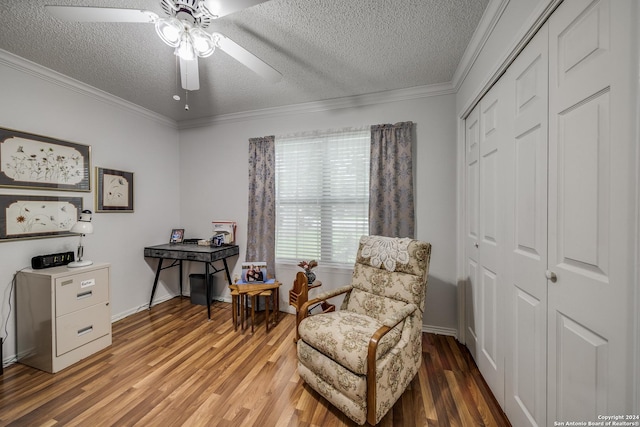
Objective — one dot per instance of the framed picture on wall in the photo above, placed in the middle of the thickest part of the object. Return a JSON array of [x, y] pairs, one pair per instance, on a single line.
[[39, 162], [36, 217], [114, 190]]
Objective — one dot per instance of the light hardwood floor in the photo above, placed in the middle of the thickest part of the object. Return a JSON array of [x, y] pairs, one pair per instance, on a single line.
[[171, 367]]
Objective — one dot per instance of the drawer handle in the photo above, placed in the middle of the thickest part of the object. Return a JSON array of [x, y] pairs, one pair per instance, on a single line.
[[67, 282], [190, 256], [84, 295], [85, 331]]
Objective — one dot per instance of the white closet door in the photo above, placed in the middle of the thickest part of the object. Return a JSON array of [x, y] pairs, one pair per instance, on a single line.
[[590, 209], [526, 217], [490, 293], [472, 233]]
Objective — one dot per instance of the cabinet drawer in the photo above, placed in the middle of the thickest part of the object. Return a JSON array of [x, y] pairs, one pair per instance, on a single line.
[[81, 291], [76, 329]]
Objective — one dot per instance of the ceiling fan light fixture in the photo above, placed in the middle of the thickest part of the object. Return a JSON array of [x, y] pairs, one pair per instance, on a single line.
[[203, 43], [185, 48], [170, 30]]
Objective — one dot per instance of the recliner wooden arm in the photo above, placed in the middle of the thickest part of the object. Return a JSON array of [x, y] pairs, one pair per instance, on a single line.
[[388, 324]]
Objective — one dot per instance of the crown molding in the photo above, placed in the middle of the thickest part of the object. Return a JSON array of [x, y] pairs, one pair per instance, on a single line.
[[527, 31], [45, 74], [325, 105], [485, 28]]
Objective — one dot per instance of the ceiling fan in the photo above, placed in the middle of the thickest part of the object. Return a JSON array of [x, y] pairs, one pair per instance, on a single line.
[[182, 29]]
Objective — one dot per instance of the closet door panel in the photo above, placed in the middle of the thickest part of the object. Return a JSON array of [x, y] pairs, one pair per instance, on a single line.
[[472, 233], [525, 372], [590, 211], [493, 135]]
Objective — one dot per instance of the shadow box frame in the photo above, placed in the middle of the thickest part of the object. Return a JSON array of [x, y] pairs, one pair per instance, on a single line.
[[37, 162], [115, 185], [35, 212]]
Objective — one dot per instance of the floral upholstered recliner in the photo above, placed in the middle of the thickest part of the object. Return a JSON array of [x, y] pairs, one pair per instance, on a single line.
[[362, 358]]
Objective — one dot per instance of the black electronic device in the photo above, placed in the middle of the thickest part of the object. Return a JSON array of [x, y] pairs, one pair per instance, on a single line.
[[53, 260]]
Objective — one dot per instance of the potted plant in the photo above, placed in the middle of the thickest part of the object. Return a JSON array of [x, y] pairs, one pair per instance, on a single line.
[[307, 266]]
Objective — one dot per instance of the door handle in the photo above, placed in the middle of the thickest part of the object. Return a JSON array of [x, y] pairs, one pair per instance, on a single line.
[[476, 245], [551, 276]]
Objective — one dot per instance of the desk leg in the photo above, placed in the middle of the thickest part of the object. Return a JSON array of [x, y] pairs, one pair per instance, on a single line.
[[155, 281], [226, 270], [180, 278], [207, 284]]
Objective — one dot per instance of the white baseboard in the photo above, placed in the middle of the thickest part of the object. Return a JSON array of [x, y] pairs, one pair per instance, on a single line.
[[286, 309], [9, 361], [122, 315], [439, 330]]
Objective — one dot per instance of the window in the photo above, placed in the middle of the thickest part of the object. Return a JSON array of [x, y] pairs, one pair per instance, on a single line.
[[322, 195]]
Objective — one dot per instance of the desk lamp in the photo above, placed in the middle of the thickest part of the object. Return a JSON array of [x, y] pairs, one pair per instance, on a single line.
[[82, 227]]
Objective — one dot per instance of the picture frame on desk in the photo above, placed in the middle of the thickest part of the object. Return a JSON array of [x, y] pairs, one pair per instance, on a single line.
[[254, 272], [177, 235]]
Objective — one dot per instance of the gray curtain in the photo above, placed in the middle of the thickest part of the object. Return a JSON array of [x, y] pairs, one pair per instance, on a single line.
[[261, 227], [391, 207]]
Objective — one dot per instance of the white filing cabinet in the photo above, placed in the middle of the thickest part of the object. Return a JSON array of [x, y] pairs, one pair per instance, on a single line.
[[63, 315]]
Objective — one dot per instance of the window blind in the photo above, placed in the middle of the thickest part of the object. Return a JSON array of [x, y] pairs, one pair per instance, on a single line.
[[322, 195]]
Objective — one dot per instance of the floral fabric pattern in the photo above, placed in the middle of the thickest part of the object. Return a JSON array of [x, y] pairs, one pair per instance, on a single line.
[[391, 202], [345, 336], [333, 347], [261, 225]]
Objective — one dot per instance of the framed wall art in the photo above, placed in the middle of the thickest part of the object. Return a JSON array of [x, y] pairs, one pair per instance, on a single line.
[[114, 191], [34, 217], [39, 162]]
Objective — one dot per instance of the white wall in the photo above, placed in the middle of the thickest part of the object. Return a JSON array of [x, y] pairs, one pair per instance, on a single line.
[[124, 138], [214, 180]]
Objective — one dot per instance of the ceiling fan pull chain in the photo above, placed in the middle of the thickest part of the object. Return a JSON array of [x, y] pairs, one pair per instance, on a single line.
[[176, 96], [186, 92]]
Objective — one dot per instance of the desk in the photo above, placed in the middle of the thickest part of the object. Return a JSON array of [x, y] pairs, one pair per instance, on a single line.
[[179, 252]]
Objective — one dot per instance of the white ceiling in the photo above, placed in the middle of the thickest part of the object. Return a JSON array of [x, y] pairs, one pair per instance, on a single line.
[[324, 49]]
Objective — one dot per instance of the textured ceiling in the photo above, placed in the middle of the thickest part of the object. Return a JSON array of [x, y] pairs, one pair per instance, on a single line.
[[324, 49]]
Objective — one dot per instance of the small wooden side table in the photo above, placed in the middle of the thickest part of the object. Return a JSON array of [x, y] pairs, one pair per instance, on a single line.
[[240, 294]]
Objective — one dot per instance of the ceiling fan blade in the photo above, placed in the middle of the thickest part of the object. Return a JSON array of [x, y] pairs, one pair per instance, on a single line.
[[189, 75], [251, 61], [221, 8], [100, 14]]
